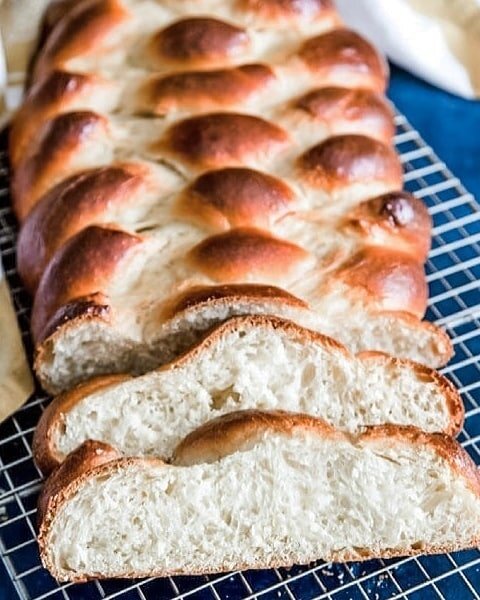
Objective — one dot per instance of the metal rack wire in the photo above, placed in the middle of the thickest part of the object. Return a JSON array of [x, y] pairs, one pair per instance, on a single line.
[[454, 279]]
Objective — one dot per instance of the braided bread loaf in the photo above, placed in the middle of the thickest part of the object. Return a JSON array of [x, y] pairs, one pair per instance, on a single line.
[[172, 170]]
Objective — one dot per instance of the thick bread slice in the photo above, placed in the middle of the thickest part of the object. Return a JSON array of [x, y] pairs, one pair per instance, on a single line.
[[258, 490], [248, 362], [89, 338]]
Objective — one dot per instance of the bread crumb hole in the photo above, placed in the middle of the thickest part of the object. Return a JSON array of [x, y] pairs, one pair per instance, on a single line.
[[418, 546], [308, 375], [221, 397]]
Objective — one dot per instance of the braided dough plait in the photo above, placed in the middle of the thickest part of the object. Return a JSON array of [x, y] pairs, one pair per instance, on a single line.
[[258, 490], [248, 362], [159, 153]]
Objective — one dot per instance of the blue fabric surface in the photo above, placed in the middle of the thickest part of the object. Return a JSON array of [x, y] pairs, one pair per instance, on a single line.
[[449, 124], [7, 591]]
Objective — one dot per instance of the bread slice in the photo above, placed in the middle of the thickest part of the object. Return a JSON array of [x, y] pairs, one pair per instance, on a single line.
[[258, 490], [248, 362], [93, 339]]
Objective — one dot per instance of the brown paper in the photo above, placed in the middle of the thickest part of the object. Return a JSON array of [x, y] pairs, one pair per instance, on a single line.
[[16, 382]]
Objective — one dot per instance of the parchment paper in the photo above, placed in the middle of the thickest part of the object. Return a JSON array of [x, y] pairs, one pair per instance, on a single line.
[[16, 382]]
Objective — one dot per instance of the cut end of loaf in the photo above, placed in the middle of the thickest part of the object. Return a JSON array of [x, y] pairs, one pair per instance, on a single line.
[[389, 492]]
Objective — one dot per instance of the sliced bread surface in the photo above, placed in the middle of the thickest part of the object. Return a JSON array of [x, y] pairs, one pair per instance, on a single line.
[[91, 344], [248, 362], [257, 490]]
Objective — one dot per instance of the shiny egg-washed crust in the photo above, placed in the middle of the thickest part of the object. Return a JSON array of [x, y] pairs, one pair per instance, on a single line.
[[95, 256], [79, 28], [323, 166], [52, 221], [236, 432], [399, 215], [259, 130], [55, 146], [48, 459], [92, 258], [58, 93]]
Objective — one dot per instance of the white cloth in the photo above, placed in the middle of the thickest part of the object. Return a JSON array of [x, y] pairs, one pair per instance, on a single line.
[[437, 40]]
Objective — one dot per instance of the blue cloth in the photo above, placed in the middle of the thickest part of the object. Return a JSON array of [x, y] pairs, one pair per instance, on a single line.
[[449, 124]]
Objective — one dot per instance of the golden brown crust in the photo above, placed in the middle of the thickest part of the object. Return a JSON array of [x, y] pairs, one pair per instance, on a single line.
[[50, 96], [357, 555], [80, 268], [55, 11], [399, 215], [92, 306], [92, 458], [247, 254], [43, 446], [223, 139], [202, 65], [292, 10], [205, 90], [238, 431], [199, 42], [82, 30], [48, 160], [72, 205], [394, 278], [332, 104], [346, 53], [197, 296], [235, 197], [89, 455], [347, 159]]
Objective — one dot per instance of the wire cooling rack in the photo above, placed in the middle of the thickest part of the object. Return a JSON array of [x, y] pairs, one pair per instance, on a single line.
[[454, 279]]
